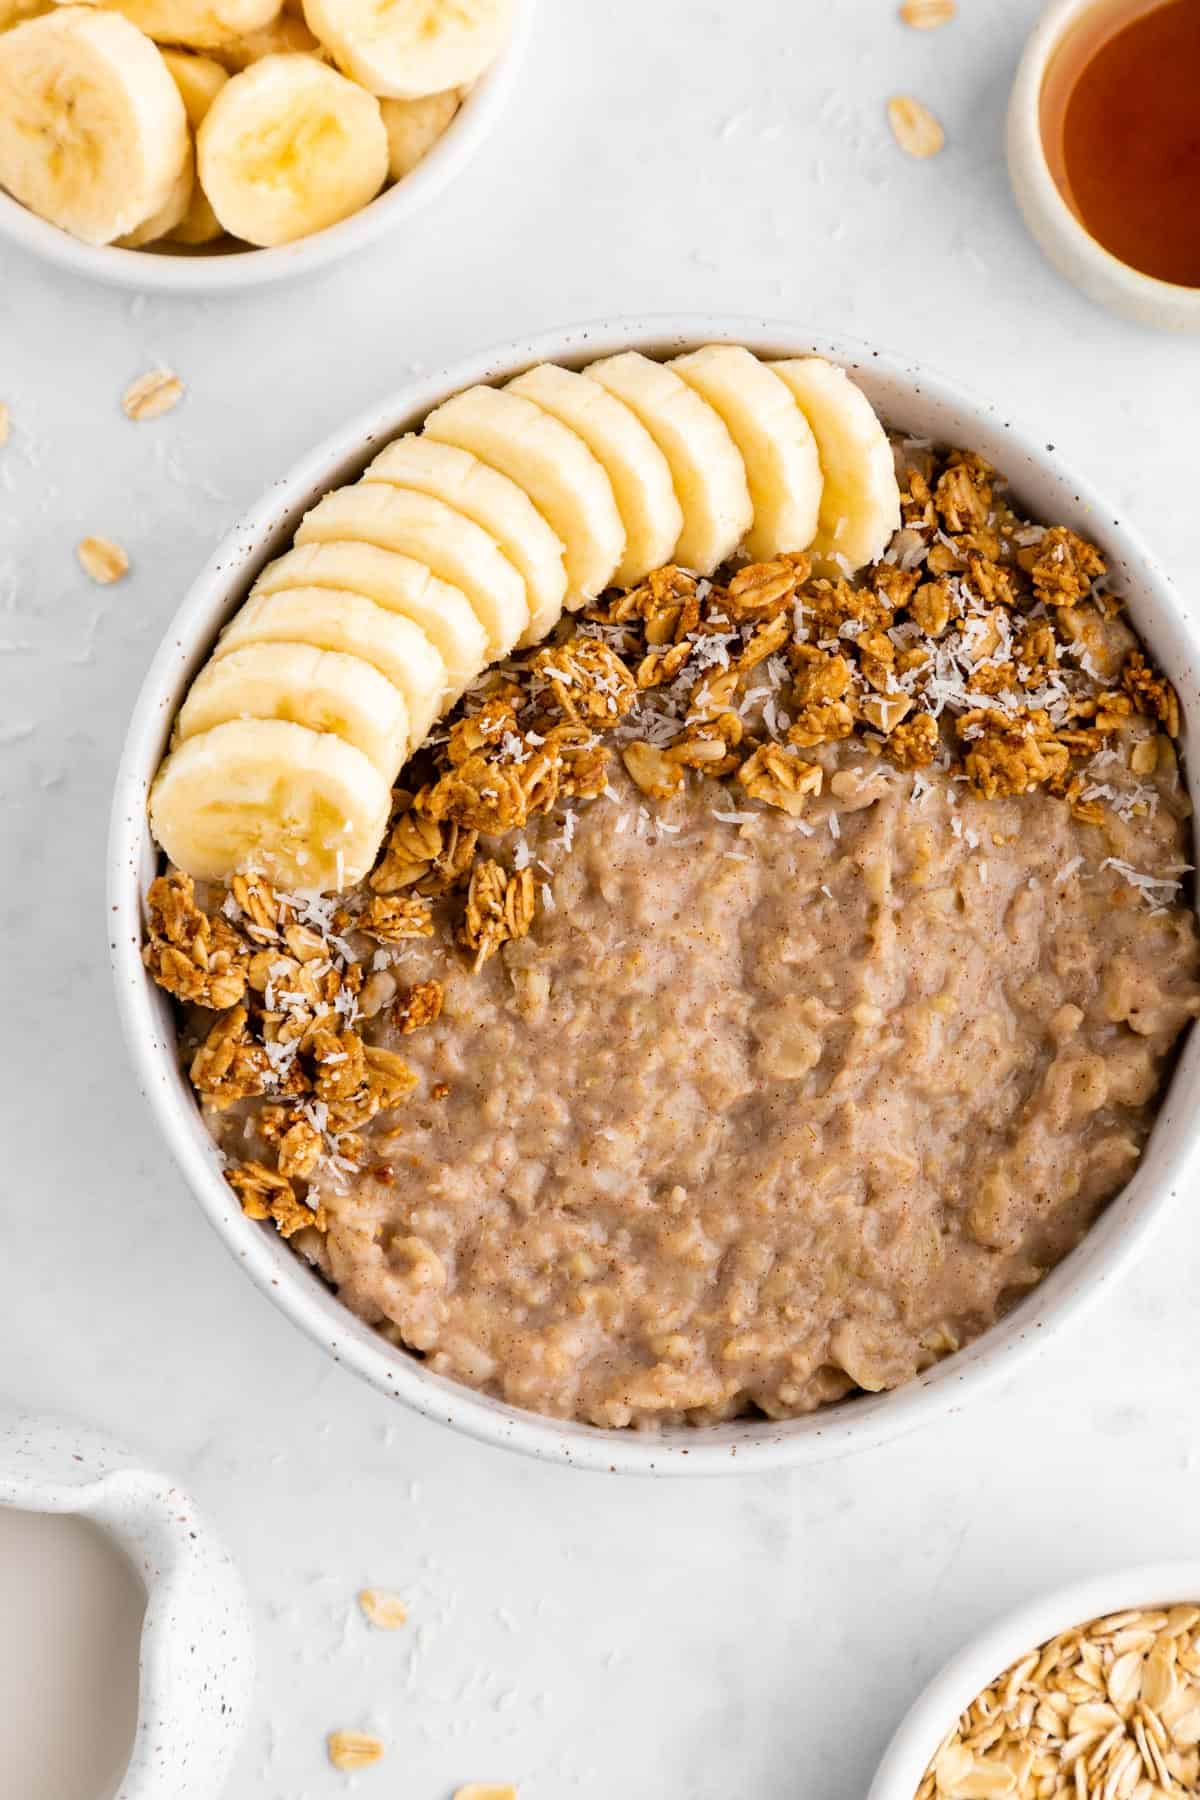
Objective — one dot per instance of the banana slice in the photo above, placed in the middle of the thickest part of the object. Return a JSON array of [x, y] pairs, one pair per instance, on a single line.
[[93, 135], [289, 147], [708, 473], [405, 49], [329, 620], [449, 544], [402, 586], [773, 436], [12, 12], [637, 468], [556, 469], [199, 80], [168, 218], [284, 36], [414, 127], [298, 806], [323, 689], [494, 502], [196, 24], [860, 505]]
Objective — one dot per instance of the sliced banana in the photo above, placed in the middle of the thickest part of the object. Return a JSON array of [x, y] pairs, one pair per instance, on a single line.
[[405, 49], [401, 585], [449, 544], [170, 217], [638, 470], [196, 24], [199, 80], [298, 806], [93, 135], [773, 436], [12, 12], [284, 36], [332, 620], [555, 468], [414, 127], [289, 147], [860, 504], [706, 468], [323, 689], [494, 502]]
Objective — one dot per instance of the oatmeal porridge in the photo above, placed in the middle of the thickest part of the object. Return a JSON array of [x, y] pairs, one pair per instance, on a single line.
[[763, 984]]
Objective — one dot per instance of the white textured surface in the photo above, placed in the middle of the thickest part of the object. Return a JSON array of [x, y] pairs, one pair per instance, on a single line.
[[581, 1635]]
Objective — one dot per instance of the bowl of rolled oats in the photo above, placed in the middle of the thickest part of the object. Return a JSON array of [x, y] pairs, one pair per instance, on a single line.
[[584, 840], [1093, 1690]]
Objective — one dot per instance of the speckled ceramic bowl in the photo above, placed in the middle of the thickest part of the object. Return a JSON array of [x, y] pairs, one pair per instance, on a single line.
[[908, 397], [196, 1666], [229, 271]]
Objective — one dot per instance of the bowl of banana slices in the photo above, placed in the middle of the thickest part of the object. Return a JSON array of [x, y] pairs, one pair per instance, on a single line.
[[190, 146], [407, 560]]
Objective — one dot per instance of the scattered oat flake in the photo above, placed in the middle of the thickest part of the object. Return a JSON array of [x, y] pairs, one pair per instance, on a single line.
[[927, 15], [387, 1612], [156, 392], [914, 127], [485, 1790], [5, 423], [353, 1749], [103, 560]]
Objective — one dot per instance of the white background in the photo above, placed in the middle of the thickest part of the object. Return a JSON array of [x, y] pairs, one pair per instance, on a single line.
[[584, 1635]]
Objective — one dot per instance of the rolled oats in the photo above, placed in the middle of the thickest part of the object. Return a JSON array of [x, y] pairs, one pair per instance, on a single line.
[[927, 15], [157, 392], [387, 1612], [349, 1750], [101, 559], [914, 127], [1045, 1727]]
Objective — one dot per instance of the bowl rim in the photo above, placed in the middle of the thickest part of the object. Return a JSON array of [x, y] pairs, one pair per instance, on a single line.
[[743, 1445], [1002, 1643], [234, 271], [1061, 236]]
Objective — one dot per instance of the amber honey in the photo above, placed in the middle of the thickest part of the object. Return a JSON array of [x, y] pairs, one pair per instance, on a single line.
[[1120, 114]]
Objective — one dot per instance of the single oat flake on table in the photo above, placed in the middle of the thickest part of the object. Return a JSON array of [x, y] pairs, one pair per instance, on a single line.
[[640, 1079], [914, 127], [101, 559], [927, 15], [350, 1750], [157, 392]]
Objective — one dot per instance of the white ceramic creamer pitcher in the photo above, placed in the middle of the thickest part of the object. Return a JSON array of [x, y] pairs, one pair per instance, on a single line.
[[196, 1661]]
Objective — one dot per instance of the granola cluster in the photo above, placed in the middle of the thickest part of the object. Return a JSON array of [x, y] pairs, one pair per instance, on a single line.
[[285, 987], [972, 644]]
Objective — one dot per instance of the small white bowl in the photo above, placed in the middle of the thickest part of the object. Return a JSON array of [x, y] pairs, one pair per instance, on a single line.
[[1073, 251], [908, 397], [196, 1662], [952, 1690], [230, 271]]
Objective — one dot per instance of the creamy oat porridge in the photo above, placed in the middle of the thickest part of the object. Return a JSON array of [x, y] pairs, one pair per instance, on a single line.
[[763, 984]]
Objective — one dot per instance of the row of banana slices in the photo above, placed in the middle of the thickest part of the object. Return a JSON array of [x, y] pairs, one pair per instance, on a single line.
[[470, 538], [142, 122]]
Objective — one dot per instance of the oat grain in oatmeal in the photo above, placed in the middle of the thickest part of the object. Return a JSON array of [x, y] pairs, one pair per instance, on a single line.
[[762, 985]]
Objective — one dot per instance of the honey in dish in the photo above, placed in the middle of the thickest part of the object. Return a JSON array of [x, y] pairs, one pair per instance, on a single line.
[[1120, 116]]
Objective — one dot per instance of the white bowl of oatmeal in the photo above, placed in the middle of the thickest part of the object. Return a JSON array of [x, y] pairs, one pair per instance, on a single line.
[[1001, 1308], [1105, 1672]]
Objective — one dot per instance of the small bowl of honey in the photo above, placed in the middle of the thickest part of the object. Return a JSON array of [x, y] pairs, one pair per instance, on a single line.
[[1104, 152]]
